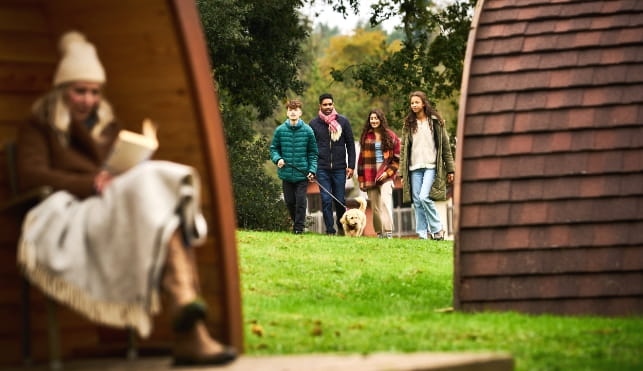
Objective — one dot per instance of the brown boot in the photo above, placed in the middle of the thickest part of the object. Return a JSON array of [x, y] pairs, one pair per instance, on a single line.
[[196, 347], [192, 343]]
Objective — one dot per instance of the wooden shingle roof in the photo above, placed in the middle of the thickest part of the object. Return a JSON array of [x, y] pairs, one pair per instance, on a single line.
[[549, 193]]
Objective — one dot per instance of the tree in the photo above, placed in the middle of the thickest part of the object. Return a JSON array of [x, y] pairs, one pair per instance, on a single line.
[[255, 49], [346, 52], [257, 196], [363, 46], [431, 58]]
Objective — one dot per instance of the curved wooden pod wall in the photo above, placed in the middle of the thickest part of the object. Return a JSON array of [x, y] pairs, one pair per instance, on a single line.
[[157, 66]]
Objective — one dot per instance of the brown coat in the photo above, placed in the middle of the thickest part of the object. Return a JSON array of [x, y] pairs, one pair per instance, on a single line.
[[42, 158]]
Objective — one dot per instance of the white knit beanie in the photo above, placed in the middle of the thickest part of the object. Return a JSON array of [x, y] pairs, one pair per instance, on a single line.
[[79, 60]]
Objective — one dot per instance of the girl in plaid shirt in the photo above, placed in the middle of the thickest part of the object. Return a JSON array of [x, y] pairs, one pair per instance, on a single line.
[[379, 159]]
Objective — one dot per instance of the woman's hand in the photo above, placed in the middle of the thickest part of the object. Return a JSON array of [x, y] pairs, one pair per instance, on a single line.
[[102, 180], [382, 177], [450, 178]]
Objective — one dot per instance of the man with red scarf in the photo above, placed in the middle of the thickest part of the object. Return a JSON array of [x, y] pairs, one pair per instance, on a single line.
[[336, 159]]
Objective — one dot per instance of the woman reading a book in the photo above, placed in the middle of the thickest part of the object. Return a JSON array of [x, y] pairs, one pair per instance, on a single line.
[[106, 245]]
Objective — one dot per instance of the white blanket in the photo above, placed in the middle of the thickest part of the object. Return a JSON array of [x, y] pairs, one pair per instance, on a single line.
[[103, 256]]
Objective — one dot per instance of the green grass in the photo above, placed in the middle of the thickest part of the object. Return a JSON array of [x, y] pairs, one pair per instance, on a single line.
[[318, 294]]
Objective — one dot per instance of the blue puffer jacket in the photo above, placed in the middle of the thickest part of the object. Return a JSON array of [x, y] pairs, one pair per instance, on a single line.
[[296, 145], [333, 155]]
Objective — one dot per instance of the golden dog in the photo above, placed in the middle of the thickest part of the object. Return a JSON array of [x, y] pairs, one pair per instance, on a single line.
[[354, 220]]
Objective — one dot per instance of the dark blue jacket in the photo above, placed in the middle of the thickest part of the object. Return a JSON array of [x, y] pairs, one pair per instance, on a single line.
[[332, 155]]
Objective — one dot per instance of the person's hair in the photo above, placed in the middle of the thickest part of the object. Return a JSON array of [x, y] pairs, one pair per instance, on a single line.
[[293, 104], [44, 108], [387, 140], [325, 96], [410, 122], [51, 109]]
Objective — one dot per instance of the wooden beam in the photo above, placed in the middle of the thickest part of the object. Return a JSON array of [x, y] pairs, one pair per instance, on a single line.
[[220, 187]]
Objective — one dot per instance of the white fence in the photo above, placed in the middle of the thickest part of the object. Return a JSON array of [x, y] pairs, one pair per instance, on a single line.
[[403, 220]]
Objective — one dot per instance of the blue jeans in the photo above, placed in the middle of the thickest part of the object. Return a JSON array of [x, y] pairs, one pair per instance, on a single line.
[[335, 182], [426, 215]]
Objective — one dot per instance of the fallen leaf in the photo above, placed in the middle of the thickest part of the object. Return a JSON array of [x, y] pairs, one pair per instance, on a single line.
[[603, 331], [444, 310], [317, 331], [257, 330]]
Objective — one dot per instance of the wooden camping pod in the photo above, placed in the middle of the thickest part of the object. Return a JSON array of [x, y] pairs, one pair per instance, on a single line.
[[157, 66], [548, 195]]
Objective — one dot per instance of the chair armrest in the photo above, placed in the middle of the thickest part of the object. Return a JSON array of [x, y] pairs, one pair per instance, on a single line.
[[26, 200]]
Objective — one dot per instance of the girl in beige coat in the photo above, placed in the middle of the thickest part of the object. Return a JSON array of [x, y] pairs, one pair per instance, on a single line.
[[426, 164]]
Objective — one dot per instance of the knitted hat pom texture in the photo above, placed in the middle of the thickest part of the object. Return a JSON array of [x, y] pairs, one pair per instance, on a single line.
[[79, 60]]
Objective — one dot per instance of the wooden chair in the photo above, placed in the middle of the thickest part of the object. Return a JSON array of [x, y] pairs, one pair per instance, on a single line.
[[20, 203]]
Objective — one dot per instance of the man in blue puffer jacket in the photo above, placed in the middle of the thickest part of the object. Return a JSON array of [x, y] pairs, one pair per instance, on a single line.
[[336, 159], [294, 150]]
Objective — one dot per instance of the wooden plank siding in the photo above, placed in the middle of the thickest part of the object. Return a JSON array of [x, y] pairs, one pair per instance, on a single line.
[[148, 49], [549, 189], [27, 60]]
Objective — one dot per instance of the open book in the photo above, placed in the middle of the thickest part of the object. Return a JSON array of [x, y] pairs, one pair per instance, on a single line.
[[131, 148]]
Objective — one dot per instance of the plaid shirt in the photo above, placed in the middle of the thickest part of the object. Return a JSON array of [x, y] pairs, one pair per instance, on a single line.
[[367, 171]]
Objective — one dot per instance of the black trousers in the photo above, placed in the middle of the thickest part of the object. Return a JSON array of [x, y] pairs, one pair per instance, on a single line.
[[295, 197]]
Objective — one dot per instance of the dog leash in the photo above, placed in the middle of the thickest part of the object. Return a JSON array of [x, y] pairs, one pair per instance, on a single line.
[[315, 180]]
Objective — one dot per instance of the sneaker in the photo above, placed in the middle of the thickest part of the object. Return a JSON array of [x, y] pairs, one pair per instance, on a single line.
[[298, 232], [388, 235], [438, 236]]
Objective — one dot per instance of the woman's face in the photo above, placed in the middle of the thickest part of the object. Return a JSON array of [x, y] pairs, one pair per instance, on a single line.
[[374, 121], [416, 104], [82, 97]]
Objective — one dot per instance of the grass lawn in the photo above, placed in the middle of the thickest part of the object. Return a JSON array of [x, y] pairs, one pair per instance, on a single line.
[[318, 294]]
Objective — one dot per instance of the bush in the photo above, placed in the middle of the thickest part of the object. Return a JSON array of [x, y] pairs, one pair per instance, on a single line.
[[257, 195]]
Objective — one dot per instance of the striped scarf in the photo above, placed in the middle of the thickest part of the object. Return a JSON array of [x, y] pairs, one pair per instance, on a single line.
[[334, 126]]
